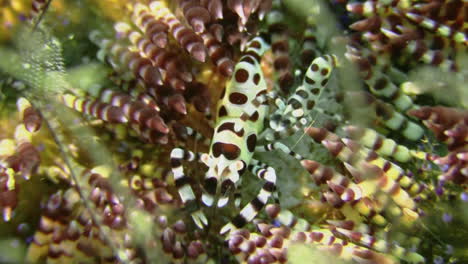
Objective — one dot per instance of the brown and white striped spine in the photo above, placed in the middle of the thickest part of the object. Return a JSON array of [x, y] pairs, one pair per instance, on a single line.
[[367, 8], [32, 119], [150, 135], [27, 158], [398, 122], [217, 30], [418, 50], [354, 154], [341, 185], [395, 172], [218, 54], [148, 100], [237, 7], [8, 192], [154, 29], [187, 39], [215, 7], [385, 174], [172, 71], [438, 28], [136, 111], [379, 83], [271, 242], [140, 66], [123, 59], [386, 114], [378, 143], [376, 176], [380, 245], [95, 108], [195, 14], [161, 57], [175, 102], [448, 124]]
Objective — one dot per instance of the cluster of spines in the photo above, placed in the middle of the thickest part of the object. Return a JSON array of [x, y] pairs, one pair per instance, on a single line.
[[270, 244], [71, 229], [424, 30], [379, 245], [383, 113], [369, 169], [380, 144], [201, 16], [136, 112], [343, 198], [357, 235], [218, 54], [62, 237], [196, 14], [205, 34], [187, 39], [244, 9], [167, 73], [19, 157], [127, 61], [95, 108], [336, 182], [450, 126], [172, 69], [155, 29], [379, 83], [439, 28], [353, 153], [175, 245]]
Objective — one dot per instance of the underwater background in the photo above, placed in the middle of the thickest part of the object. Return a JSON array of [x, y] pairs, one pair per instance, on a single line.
[[366, 131]]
